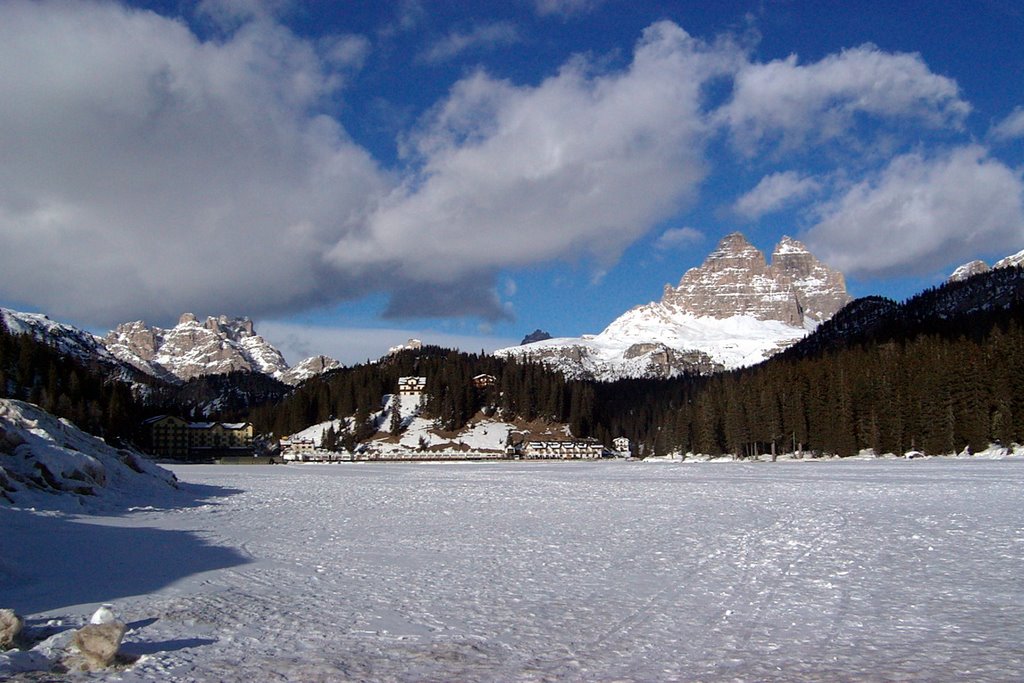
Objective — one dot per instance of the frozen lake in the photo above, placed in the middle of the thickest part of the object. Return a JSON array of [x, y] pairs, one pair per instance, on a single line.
[[866, 570]]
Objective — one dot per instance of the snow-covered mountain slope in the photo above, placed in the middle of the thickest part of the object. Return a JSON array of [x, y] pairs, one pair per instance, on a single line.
[[48, 463], [976, 267], [307, 369], [68, 339], [734, 310]]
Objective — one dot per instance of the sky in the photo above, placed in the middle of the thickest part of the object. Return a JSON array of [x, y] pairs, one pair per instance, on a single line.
[[353, 174]]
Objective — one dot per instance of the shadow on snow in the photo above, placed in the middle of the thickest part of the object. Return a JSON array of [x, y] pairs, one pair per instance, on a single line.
[[53, 561]]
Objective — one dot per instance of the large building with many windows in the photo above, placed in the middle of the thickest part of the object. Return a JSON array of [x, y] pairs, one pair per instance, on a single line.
[[172, 437]]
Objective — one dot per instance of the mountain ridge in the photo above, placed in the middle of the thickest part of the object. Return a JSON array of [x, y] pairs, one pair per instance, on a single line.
[[189, 350]]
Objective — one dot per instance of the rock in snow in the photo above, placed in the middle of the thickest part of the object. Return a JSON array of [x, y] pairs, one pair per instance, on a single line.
[[98, 644], [10, 627], [734, 310]]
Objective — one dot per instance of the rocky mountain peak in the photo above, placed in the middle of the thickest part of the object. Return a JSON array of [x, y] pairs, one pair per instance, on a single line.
[[733, 310], [967, 270], [735, 279], [189, 349], [733, 252]]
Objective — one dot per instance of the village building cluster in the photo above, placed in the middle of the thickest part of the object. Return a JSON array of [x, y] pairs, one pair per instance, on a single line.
[[411, 390]]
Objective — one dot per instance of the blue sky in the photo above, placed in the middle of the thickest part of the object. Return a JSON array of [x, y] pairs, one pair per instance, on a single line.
[[351, 174]]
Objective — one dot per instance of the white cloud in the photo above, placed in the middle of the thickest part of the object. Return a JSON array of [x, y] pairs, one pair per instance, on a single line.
[[229, 14], [790, 104], [923, 214], [673, 238], [352, 345], [566, 8], [1012, 127], [146, 172], [346, 51], [482, 36], [580, 165], [774, 192]]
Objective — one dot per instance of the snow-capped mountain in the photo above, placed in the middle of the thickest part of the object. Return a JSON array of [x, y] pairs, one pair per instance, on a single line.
[[736, 309], [189, 349], [975, 267]]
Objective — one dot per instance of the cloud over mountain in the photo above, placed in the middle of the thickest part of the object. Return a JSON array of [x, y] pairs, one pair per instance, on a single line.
[[148, 168]]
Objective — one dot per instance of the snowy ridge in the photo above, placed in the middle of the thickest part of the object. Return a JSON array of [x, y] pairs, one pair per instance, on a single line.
[[67, 339], [192, 349], [49, 463], [733, 311], [189, 349], [976, 267]]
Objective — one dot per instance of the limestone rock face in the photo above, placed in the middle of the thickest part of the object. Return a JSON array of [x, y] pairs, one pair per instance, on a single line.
[[1011, 261], [968, 269], [735, 279], [192, 349], [311, 367]]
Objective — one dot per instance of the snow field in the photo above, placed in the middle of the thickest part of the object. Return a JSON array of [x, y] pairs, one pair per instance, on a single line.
[[890, 570]]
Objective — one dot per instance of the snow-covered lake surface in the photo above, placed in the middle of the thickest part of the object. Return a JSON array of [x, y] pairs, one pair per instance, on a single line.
[[888, 570]]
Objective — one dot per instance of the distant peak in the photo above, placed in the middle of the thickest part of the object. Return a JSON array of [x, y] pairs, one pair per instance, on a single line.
[[732, 244], [535, 336], [788, 245]]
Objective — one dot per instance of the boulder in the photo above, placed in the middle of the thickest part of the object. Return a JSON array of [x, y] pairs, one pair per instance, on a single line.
[[98, 643], [10, 627]]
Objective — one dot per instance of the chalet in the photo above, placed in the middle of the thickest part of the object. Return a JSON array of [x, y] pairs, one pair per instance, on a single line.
[[411, 387], [621, 446], [172, 437], [483, 381]]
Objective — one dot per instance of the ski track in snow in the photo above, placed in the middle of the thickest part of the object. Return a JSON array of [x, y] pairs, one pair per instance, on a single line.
[[890, 570]]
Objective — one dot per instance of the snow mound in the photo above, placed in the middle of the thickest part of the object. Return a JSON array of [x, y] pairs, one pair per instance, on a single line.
[[48, 463]]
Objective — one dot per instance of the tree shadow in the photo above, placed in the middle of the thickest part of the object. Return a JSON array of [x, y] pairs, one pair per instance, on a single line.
[[48, 562]]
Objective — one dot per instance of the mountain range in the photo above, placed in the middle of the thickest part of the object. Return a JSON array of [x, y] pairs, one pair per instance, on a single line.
[[189, 350], [734, 310]]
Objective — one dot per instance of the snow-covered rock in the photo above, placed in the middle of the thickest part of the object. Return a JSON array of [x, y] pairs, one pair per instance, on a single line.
[[734, 310], [976, 267], [307, 369], [46, 462], [68, 339], [192, 349], [1011, 261], [967, 270]]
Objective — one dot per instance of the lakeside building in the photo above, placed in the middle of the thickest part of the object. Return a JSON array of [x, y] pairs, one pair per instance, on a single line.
[[173, 437]]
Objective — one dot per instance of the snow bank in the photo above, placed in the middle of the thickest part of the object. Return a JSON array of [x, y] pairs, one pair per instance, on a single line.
[[48, 463]]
